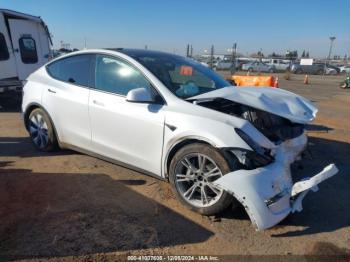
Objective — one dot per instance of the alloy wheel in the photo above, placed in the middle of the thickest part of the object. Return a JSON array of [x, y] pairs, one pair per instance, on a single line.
[[38, 130], [194, 176]]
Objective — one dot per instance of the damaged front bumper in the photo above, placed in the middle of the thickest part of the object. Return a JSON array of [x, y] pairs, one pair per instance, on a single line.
[[268, 193]]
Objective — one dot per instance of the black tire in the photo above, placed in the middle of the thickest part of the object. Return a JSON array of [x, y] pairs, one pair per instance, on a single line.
[[250, 70], [271, 70], [225, 199], [47, 144], [320, 72]]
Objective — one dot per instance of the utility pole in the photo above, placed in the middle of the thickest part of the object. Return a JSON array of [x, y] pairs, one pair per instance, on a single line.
[[211, 63], [332, 38], [188, 50], [233, 58], [260, 59]]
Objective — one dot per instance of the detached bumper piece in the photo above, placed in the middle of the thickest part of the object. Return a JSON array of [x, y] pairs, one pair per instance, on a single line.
[[301, 188], [256, 190], [268, 193]]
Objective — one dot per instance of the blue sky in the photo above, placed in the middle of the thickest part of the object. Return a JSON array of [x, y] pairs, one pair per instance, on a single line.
[[170, 24]]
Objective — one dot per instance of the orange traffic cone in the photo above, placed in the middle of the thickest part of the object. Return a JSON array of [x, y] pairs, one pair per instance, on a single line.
[[306, 80], [275, 84]]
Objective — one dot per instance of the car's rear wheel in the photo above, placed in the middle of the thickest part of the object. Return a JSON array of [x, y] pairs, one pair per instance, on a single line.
[[41, 130], [192, 172]]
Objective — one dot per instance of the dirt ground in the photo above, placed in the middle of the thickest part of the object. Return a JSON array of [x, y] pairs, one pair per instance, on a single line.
[[64, 204]]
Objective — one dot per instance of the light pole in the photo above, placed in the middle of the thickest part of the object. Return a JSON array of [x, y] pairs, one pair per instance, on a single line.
[[233, 58], [211, 57], [332, 38]]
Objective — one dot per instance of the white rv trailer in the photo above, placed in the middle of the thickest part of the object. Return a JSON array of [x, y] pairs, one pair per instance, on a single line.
[[25, 45]]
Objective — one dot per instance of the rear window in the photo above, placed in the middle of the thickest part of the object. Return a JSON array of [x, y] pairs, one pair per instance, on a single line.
[[4, 52], [27, 47], [76, 69]]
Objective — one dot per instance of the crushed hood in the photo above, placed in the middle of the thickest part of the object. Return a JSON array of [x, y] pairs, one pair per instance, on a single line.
[[273, 100]]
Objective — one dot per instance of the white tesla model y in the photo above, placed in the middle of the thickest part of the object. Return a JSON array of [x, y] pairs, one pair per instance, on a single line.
[[173, 118]]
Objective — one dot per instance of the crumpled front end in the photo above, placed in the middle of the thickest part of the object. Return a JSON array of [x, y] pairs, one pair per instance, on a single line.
[[268, 193]]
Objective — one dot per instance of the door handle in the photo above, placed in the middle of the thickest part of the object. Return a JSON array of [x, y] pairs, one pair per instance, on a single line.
[[51, 91], [98, 103]]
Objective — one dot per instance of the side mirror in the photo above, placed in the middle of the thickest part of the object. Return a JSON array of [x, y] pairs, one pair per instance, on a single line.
[[140, 95]]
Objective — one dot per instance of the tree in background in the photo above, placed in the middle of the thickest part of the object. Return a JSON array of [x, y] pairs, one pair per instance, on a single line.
[[292, 54]]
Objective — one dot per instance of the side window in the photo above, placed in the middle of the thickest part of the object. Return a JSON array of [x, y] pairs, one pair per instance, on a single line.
[[118, 77], [27, 47], [74, 69], [4, 52]]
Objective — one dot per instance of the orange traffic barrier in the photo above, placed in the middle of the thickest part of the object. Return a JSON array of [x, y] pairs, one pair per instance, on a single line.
[[306, 80], [255, 80]]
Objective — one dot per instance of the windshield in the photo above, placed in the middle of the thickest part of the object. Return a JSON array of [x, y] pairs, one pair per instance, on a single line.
[[182, 76]]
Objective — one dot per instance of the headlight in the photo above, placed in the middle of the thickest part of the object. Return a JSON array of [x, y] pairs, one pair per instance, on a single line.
[[260, 156], [250, 142]]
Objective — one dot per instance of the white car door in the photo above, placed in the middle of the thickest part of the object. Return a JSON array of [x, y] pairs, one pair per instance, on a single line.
[[28, 48], [66, 98], [128, 132]]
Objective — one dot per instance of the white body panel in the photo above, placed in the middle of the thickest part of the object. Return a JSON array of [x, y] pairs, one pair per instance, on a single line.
[[345, 69], [70, 106], [142, 135], [274, 100], [279, 64], [127, 132], [8, 67], [20, 28], [22, 25]]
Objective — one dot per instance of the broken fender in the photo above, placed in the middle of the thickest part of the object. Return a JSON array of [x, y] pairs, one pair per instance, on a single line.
[[266, 193]]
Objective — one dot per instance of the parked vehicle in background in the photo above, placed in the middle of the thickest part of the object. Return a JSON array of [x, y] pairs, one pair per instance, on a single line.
[[279, 64], [330, 70], [336, 68], [227, 64], [224, 65], [257, 66], [175, 119], [25, 45], [345, 69], [314, 69]]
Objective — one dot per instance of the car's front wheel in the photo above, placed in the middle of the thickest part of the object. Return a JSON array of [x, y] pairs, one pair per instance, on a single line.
[[41, 130], [192, 172]]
